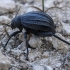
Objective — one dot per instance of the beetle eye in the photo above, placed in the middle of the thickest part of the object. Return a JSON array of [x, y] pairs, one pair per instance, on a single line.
[[12, 25]]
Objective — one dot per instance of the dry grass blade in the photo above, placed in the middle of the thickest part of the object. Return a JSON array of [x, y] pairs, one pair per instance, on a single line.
[[43, 5]]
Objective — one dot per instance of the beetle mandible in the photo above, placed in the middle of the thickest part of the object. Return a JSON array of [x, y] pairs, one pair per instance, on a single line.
[[37, 23]]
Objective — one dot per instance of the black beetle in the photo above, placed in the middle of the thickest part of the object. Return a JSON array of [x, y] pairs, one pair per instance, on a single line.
[[37, 23]]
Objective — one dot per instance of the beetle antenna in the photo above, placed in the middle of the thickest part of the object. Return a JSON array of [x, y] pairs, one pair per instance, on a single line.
[[61, 39], [42, 10]]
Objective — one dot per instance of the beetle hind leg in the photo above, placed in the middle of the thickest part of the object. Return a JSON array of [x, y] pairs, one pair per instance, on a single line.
[[25, 36]]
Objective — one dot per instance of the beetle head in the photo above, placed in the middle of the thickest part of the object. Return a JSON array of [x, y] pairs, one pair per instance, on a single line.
[[16, 22]]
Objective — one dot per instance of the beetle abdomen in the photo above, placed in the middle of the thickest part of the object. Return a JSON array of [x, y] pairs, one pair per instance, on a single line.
[[38, 21]]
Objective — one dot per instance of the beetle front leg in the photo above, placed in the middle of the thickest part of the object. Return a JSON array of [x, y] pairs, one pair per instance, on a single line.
[[13, 34], [25, 36]]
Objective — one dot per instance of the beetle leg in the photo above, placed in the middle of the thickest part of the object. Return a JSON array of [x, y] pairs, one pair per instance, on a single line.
[[13, 34], [25, 36], [6, 44], [61, 39]]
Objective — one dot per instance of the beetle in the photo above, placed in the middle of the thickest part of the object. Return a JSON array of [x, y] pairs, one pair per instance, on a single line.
[[37, 23]]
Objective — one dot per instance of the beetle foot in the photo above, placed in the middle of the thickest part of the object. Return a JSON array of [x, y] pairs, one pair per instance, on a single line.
[[27, 59]]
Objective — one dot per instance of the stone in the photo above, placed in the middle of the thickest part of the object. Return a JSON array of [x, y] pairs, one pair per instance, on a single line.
[[33, 55], [38, 67], [67, 59], [42, 67], [22, 46], [5, 19], [1, 30], [30, 1], [14, 68], [16, 52], [22, 58], [59, 27], [41, 58], [7, 6], [57, 44], [66, 29], [45, 54], [51, 61], [35, 42], [21, 37], [5, 63], [20, 8], [49, 3], [21, 1], [46, 67]]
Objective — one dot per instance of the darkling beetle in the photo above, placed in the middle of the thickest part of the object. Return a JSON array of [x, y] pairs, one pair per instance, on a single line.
[[37, 23]]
